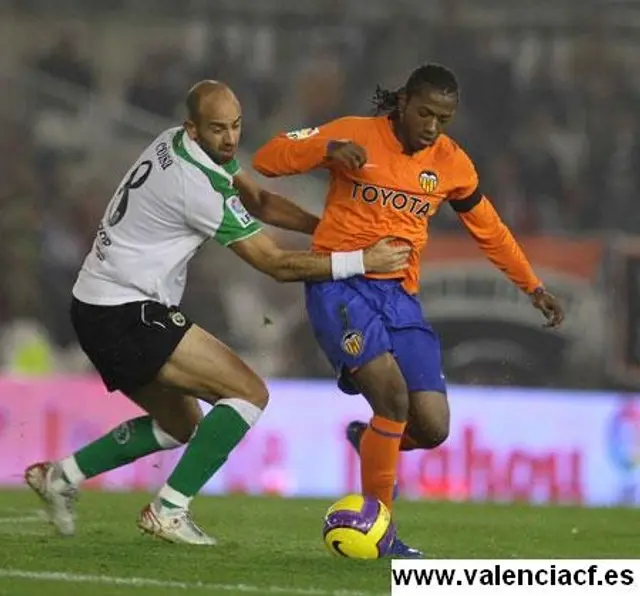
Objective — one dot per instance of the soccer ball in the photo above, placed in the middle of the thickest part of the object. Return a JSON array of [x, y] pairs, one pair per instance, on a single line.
[[358, 527]]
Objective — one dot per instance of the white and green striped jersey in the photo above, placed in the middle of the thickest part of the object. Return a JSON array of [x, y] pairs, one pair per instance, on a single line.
[[169, 203]]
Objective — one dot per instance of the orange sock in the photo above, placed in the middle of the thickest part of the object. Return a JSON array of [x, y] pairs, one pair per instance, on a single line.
[[379, 453], [408, 443]]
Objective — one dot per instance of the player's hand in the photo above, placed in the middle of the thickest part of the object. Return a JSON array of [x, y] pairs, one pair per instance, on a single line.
[[549, 306], [386, 256], [350, 155]]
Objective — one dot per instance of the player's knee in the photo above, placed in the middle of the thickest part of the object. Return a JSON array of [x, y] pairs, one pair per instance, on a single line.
[[382, 383], [435, 436], [255, 391], [393, 404], [440, 435], [429, 419], [183, 433], [389, 397], [399, 406], [430, 435], [175, 432]]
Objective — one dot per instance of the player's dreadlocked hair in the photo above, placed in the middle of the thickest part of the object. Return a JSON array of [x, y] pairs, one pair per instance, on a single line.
[[434, 75]]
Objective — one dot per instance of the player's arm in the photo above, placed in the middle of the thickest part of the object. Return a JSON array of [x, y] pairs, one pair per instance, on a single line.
[[272, 208], [301, 151], [262, 253], [226, 219], [496, 241]]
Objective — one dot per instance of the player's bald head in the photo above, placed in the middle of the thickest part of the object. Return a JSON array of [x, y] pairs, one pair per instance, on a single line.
[[212, 98], [214, 119]]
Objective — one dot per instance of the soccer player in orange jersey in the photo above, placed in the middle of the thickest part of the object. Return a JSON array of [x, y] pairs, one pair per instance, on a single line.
[[389, 176]]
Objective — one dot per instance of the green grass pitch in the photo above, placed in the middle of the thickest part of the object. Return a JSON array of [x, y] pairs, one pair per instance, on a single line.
[[273, 546]]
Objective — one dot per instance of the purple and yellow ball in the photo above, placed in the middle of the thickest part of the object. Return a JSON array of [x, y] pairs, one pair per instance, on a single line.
[[358, 527]]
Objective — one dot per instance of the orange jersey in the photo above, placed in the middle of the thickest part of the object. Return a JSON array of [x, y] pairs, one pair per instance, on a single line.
[[394, 194]]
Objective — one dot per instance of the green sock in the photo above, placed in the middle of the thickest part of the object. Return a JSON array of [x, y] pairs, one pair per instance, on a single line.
[[216, 437], [122, 445]]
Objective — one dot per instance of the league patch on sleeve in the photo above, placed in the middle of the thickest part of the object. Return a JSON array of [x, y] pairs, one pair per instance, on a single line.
[[303, 133], [238, 211]]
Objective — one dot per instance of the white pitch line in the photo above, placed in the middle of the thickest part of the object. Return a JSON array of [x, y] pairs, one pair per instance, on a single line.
[[143, 582], [24, 519], [6, 531]]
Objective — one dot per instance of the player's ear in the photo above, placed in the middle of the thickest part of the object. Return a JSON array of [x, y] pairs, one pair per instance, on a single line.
[[190, 127]]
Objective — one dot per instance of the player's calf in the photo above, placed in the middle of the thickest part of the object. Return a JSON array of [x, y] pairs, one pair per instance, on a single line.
[[205, 367], [354, 432], [383, 385], [216, 437]]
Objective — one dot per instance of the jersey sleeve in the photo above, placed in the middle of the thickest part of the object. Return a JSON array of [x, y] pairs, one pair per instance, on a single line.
[[482, 221], [498, 244], [218, 214], [302, 150], [466, 193], [237, 223]]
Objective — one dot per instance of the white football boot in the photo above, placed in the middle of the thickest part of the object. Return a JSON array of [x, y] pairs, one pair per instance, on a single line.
[[58, 496], [172, 525]]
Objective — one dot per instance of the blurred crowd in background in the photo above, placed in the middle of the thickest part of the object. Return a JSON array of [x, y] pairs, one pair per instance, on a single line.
[[549, 114]]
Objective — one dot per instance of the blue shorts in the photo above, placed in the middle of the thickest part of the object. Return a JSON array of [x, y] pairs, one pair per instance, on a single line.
[[357, 319]]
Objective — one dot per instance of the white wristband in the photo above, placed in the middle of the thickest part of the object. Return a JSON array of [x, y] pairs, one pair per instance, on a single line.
[[347, 264]]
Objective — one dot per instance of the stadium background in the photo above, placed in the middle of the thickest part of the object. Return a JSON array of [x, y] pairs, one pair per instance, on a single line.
[[549, 113]]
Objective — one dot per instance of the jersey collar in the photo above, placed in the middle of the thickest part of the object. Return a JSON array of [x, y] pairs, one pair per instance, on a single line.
[[386, 129], [197, 154]]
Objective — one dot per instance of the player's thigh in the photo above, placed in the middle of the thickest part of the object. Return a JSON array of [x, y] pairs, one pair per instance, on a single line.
[[417, 351], [202, 365], [381, 382], [353, 336], [176, 412], [349, 330]]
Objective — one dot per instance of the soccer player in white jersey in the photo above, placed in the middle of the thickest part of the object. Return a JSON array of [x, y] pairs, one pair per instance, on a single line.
[[185, 188]]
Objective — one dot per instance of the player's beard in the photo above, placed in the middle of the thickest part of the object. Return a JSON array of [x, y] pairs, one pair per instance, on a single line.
[[217, 156]]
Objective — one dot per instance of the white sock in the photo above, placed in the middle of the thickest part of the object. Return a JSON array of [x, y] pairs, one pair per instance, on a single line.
[[70, 468], [249, 412], [171, 495], [165, 440]]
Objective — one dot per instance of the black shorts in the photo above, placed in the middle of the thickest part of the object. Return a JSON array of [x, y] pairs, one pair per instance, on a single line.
[[128, 343]]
